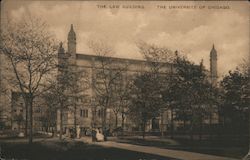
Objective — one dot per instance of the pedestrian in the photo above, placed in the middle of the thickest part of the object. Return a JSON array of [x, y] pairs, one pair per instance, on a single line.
[[93, 134], [105, 134], [78, 131]]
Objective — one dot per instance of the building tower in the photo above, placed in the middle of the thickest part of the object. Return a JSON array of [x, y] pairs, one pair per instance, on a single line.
[[62, 57], [213, 66], [72, 45]]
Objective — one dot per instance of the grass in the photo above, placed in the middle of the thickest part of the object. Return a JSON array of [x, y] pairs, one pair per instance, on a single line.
[[53, 149], [56, 150], [226, 148]]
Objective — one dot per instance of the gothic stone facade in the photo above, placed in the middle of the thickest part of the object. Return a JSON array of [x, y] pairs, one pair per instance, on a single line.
[[88, 113]]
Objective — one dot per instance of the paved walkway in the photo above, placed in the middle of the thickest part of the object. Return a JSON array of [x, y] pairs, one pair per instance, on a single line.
[[183, 155]]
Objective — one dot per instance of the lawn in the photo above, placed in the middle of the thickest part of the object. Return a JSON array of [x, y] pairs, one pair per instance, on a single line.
[[226, 148], [69, 150]]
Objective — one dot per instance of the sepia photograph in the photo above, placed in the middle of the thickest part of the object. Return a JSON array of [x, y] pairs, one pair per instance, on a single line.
[[124, 80]]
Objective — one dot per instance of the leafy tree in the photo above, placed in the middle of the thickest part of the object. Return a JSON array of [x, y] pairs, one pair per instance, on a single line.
[[158, 63], [234, 104], [146, 102], [187, 90]]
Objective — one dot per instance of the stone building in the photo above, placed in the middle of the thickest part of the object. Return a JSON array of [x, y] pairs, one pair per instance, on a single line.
[[19, 114], [89, 113]]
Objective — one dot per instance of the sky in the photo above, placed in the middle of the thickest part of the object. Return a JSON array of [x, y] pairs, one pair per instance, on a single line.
[[191, 31]]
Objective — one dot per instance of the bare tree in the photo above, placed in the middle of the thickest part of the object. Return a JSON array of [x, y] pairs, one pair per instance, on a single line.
[[107, 75], [71, 85], [31, 50], [61, 98], [120, 98], [158, 58]]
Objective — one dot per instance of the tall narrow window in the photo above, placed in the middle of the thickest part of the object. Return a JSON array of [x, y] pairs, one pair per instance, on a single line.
[[84, 113], [81, 113]]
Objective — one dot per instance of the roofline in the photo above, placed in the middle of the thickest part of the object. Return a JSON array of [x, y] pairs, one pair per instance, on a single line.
[[81, 56]]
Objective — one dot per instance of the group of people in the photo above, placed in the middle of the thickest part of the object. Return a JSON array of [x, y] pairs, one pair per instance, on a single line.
[[98, 134], [74, 133]]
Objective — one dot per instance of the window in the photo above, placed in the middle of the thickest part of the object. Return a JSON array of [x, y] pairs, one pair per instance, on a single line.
[[101, 113], [84, 113]]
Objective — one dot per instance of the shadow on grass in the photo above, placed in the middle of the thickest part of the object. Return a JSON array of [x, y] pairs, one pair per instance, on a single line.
[[55, 150], [223, 148]]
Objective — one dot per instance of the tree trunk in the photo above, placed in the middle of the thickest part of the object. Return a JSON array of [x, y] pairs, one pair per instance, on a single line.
[[31, 120], [26, 119], [192, 123], [162, 129], [61, 124], [210, 126], [191, 131], [49, 124], [75, 125], [105, 116], [143, 129], [201, 126], [116, 120], [123, 119], [52, 130], [185, 125], [172, 124]]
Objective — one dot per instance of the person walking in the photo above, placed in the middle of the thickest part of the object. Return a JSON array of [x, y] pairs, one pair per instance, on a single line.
[[93, 134]]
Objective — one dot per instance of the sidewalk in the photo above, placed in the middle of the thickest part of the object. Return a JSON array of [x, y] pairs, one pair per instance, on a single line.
[[182, 155]]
